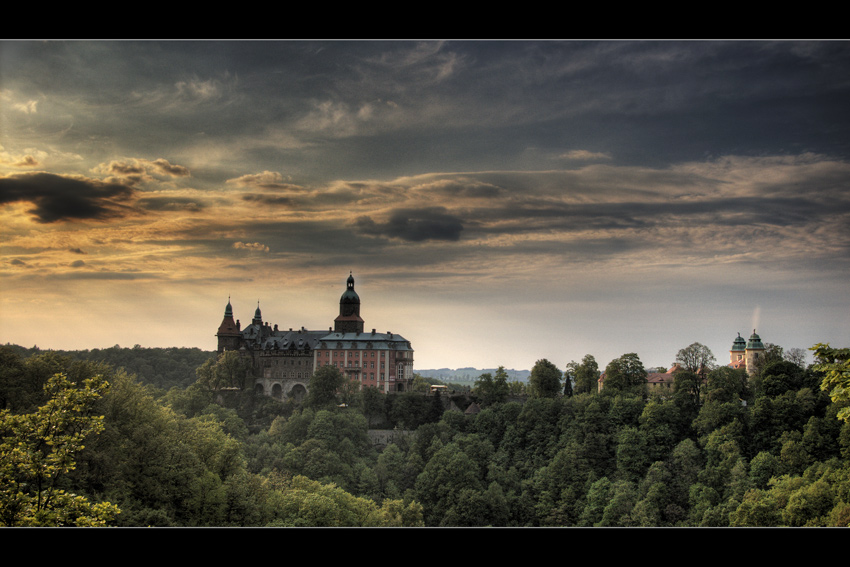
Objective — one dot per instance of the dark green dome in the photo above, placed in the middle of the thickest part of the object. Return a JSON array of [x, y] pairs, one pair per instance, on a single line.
[[740, 343], [755, 341]]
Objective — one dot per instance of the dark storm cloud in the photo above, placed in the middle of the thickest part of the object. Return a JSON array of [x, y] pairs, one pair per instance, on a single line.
[[57, 198], [414, 225]]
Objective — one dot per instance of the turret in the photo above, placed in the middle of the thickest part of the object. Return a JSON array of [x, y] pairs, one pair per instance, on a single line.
[[228, 332], [258, 317], [349, 320]]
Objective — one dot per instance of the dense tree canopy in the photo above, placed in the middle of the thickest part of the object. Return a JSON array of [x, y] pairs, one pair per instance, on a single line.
[[835, 364], [762, 450], [545, 380], [625, 374], [38, 449]]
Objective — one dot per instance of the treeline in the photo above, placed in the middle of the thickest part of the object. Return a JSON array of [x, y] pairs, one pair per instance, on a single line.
[[181, 457], [720, 449], [160, 367]]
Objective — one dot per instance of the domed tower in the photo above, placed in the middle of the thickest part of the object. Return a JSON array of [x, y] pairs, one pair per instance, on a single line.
[[737, 353], [228, 332], [754, 352], [349, 320]]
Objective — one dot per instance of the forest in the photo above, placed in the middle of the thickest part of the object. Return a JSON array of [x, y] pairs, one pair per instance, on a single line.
[[176, 437]]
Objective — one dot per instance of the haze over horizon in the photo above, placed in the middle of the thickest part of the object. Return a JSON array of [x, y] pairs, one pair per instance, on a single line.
[[498, 202]]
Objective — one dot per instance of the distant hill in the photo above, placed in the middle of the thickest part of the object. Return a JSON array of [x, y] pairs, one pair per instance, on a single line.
[[160, 367], [470, 374]]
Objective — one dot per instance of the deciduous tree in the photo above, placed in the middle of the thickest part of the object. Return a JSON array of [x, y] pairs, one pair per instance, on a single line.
[[625, 374], [696, 358], [835, 364], [545, 380], [324, 384], [38, 449], [587, 375]]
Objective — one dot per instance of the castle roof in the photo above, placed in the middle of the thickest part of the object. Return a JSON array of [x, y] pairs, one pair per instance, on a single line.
[[371, 341], [739, 343], [755, 341]]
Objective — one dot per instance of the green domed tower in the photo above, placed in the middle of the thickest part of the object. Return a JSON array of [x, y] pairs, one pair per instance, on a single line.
[[754, 352], [738, 350]]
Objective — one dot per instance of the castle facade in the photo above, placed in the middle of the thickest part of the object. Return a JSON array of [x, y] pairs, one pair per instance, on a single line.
[[746, 354], [282, 361]]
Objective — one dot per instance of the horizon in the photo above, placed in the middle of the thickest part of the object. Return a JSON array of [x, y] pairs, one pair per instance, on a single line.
[[498, 202]]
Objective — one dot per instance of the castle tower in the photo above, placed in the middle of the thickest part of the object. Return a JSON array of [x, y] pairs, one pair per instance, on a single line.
[[738, 351], [228, 332], [349, 320], [754, 352], [258, 317]]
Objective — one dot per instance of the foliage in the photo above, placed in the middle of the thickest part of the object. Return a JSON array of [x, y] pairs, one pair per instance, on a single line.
[[625, 374], [696, 358], [227, 370], [586, 375], [835, 364], [38, 449], [493, 389], [323, 386], [749, 453], [545, 380]]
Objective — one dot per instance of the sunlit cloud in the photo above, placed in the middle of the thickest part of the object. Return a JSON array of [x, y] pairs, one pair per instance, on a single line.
[[251, 246]]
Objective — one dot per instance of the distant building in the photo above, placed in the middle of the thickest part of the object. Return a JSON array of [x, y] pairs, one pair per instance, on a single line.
[[662, 381], [283, 361], [746, 354]]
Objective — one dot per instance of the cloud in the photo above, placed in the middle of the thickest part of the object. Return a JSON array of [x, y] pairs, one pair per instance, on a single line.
[[252, 246], [198, 90], [77, 264], [275, 200], [63, 198], [266, 180], [29, 107], [414, 225], [585, 155], [27, 160], [164, 167], [185, 204], [137, 170]]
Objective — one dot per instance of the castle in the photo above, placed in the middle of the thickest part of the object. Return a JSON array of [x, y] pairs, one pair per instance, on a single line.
[[746, 354], [283, 361]]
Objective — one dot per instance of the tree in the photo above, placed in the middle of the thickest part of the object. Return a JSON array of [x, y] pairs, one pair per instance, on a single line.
[[569, 378], [545, 380], [38, 449], [227, 370], [688, 385], [493, 389], [696, 358], [626, 374], [587, 375], [835, 364], [323, 386]]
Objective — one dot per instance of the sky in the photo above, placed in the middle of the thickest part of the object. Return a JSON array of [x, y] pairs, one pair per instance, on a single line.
[[498, 202]]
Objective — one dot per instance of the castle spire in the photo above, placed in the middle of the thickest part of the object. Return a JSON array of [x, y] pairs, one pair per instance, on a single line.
[[349, 320]]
